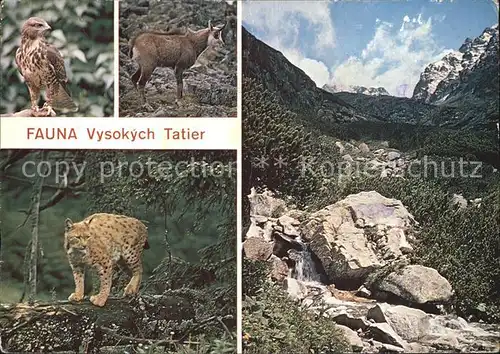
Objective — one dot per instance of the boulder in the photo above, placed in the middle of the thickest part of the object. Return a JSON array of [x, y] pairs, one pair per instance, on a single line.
[[279, 269], [289, 226], [349, 320], [341, 147], [386, 348], [260, 227], [364, 148], [347, 158], [393, 155], [409, 323], [417, 284], [384, 333], [359, 234], [459, 200], [352, 338], [264, 204], [258, 249]]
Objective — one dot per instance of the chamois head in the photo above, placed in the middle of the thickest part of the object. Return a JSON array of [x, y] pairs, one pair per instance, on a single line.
[[215, 35]]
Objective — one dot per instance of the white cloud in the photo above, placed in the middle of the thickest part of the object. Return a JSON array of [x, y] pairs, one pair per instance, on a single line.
[[392, 59], [281, 19], [315, 69]]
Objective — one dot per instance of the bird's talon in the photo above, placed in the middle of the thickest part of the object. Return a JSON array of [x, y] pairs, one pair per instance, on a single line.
[[49, 111]]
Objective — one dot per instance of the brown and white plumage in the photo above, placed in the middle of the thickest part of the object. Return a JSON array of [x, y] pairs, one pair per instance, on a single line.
[[42, 66]]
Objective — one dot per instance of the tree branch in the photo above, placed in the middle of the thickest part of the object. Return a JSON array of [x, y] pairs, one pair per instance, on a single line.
[[38, 327], [28, 113]]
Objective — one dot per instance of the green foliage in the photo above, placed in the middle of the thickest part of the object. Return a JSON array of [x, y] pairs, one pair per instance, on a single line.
[[464, 246], [270, 134], [273, 323], [255, 276], [83, 32], [202, 345], [425, 140]]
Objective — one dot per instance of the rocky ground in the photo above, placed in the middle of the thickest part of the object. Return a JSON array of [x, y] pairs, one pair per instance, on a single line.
[[351, 261], [375, 159], [210, 86]]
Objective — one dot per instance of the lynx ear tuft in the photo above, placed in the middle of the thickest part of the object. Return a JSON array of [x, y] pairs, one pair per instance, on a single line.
[[89, 220], [68, 224]]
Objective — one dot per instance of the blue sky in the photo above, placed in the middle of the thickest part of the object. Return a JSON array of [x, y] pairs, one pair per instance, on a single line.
[[370, 43]]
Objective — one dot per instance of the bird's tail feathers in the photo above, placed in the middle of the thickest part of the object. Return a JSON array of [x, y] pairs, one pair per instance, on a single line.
[[62, 100]]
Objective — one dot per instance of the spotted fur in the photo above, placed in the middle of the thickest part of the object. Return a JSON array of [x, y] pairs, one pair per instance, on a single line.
[[101, 241]]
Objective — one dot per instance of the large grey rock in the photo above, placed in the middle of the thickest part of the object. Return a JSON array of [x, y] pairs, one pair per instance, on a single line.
[[341, 147], [364, 148], [417, 284], [384, 333], [352, 338], [256, 248], [359, 234], [348, 158], [279, 269], [264, 204], [350, 320], [386, 348], [393, 155], [288, 226], [459, 200], [411, 324]]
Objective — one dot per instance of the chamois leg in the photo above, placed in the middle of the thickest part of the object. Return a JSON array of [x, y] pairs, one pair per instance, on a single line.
[[178, 77], [145, 76], [136, 76]]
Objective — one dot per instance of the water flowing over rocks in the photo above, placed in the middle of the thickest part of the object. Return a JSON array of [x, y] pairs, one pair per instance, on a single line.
[[349, 261]]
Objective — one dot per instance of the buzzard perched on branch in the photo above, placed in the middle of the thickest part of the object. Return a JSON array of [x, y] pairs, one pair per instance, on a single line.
[[41, 65]]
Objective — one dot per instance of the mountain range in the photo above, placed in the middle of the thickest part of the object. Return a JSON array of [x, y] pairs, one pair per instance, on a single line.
[[371, 91], [466, 72], [459, 91]]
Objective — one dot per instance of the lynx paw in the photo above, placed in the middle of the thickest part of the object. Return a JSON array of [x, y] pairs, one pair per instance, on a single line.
[[98, 300], [75, 297], [129, 291]]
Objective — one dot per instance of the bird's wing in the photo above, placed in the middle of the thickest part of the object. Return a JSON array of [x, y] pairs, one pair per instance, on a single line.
[[56, 63], [61, 98], [18, 60]]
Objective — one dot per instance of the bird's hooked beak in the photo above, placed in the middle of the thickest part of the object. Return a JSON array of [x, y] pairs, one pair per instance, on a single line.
[[46, 28]]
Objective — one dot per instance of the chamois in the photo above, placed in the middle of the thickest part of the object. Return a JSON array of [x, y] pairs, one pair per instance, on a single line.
[[152, 49]]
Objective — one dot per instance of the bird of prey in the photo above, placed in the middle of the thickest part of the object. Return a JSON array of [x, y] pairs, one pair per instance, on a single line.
[[42, 66]]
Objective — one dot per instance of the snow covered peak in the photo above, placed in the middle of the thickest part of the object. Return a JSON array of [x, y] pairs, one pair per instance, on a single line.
[[440, 79], [372, 91]]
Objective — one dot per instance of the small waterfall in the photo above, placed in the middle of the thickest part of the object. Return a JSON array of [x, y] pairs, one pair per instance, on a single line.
[[305, 270]]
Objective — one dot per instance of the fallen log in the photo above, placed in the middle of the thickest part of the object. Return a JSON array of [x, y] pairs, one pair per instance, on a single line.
[[61, 326]]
